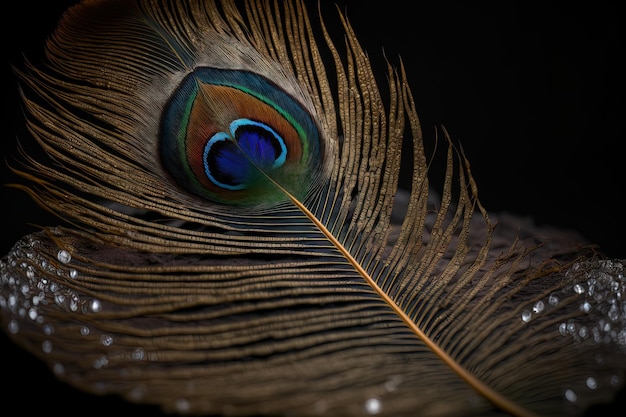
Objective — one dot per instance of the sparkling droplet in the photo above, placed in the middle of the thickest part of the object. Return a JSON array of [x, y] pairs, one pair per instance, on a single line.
[[47, 329], [107, 340], [553, 300], [73, 273], [615, 286], [59, 299], [586, 307], [596, 334], [571, 328], [570, 396], [74, 302], [579, 289], [393, 382], [95, 306], [58, 369], [32, 314], [526, 315], [583, 332], [591, 382], [563, 329], [64, 256], [46, 346], [12, 300], [538, 307], [373, 406], [84, 330], [101, 362], [14, 327]]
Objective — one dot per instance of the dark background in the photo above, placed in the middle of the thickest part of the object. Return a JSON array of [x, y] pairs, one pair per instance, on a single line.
[[535, 95]]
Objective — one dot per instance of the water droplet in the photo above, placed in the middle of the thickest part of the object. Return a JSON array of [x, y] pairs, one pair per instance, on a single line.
[[182, 405], [47, 329], [138, 392], [106, 340], [58, 369], [138, 354], [73, 273], [84, 330], [579, 289], [615, 380], [46, 346], [591, 382], [526, 315], [32, 314], [570, 396], [563, 329], [59, 299], [393, 382], [586, 307], [74, 302], [553, 300], [373, 406], [571, 328], [582, 332], [538, 307], [64, 256], [596, 334], [14, 327], [95, 306], [101, 362], [592, 286]]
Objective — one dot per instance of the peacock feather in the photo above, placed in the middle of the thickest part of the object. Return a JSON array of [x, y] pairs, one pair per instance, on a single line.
[[235, 239]]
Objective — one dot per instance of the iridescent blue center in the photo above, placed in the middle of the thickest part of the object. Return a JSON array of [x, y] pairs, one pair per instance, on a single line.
[[232, 160]]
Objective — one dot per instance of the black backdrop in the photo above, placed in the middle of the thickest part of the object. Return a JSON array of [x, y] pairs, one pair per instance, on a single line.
[[535, 95]]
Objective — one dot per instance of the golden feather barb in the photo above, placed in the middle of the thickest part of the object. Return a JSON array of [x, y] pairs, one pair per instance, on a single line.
[[283, 281]]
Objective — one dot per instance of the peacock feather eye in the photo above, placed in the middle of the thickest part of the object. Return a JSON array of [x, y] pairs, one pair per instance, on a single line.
[[235, 137]]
